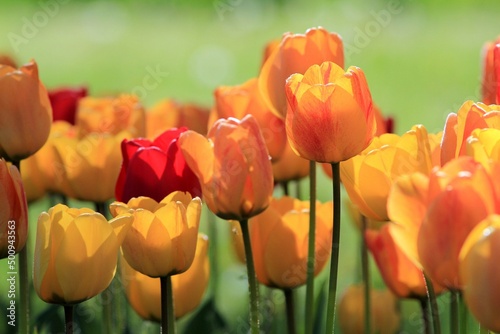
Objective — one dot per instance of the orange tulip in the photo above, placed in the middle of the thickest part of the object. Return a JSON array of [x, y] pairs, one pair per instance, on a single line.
[[295, 54], [162, 238], [290, 166], [285, 225], [368, 176], [269, 49], [143, 292], [14, 211], [7, 60], [330, 118], [459, 127], [239, 101], [490, 86], [25, 112], [384, 314], [480, 273], [233, 167], [169, 113], [400, 274], [434, 215], [110, 115]]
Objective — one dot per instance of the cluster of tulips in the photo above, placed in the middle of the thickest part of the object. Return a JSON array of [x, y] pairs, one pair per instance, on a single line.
[[429, 204]]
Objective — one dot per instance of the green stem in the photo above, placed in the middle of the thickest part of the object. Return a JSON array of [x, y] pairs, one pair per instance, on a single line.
[[454, 312], [252, 279], [285, 186], [68, 316], [24, 287], [463, 313], [214, 263], [433, 305], [366, 274], [424, 305], [311, 249], [290, 310], [334, 262], [167, 305]]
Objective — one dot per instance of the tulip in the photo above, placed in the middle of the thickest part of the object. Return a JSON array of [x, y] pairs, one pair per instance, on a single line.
[[64, 102], [480, 273], [330, 118], [238, 101], [435, 214], [168, 114], [490, 86], [76, 253], [143, 292], [269, 49], [7, 60], [14, 212], [91, 165], [162, 239], [154, 168], [111, 115], [483, 145], [368, 176], [459, 127], [284, 224], [295, 54], [233, 167], [25, 112], [290, 166], [385, 317], [400, 274]]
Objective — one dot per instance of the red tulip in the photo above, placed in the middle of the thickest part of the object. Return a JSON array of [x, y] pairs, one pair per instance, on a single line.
[[64, 102], [155, 168]]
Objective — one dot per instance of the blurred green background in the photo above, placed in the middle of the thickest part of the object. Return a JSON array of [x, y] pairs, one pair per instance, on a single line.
[[422, 60]]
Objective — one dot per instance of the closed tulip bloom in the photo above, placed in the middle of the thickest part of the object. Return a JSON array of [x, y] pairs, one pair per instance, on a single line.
[[285, 225], [168, 114], [384, 314], [76, 253], [154, 168], [14, 212], [490, 85], [483, 145], [95, 157], [162, 239], [459, 127], [480, 274], [368, 176], [111, 115], [290, 166], [143, 292], [399, 272], [295, 54], [239, 101], [330, 116], [25, 112], [233, 167], [64, 102]]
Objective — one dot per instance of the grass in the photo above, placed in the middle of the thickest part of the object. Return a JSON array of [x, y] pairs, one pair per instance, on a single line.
[[421, 59]]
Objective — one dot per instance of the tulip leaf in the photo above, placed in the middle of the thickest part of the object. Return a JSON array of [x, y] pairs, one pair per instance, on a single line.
[[320, 309], [51, 320], [207, 320]]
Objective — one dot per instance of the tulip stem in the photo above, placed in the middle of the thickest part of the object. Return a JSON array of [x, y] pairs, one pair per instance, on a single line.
[[334, 262], [24, 286], [68, 316], [463, 313], [311, 249], [454, 312], [252, 278], [433, 305], [424, 305], [167, 305], [214, 263], [290, 310], [366, 274], [285, 185]]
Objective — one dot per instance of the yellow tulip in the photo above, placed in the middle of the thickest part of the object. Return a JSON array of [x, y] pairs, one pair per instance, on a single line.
[[162, 239], [384, 314], [143, 292], [483, 145], [480, 273], [368, 176], [76, 253], [284, 225]]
